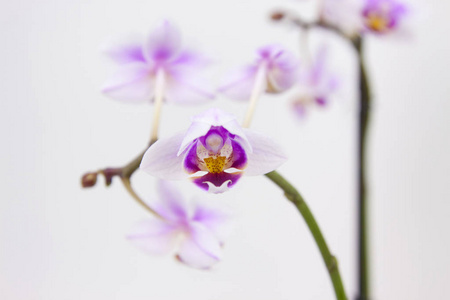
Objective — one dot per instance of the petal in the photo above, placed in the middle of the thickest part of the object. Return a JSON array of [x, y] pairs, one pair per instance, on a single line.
[[153, 236], [266, 156], [201, 249], [239, 84], [172, 205], [132, 83], [215, 217], [127, 51], [188, 60], [218, 182], [163, 43], [161, 159], [282, 72], [188, 89]]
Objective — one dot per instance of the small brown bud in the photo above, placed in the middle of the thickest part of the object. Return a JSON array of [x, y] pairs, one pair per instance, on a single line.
[[277, 16], [89, 180]]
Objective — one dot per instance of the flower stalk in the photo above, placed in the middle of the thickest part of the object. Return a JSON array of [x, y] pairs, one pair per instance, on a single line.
[[258, 89], [330, 260], [159, 97], [363, 260]]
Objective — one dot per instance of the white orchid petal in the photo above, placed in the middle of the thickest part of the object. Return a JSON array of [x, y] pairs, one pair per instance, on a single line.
[[153, 236], [238, 85], [131, 83], [266, 156], [172, 205], [163, 43], [188, 89], [127, 50], [161, 159], [201, 249], [214, 216]]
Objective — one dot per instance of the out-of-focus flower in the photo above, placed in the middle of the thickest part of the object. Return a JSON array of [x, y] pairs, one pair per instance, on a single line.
[[159, 63], [198, 227], [316, 84], [274, 71], [214, 152], [382, 16], [344, 14]]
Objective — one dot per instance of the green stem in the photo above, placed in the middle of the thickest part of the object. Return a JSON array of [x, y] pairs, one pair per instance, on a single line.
[[363, 265], [330, 260]]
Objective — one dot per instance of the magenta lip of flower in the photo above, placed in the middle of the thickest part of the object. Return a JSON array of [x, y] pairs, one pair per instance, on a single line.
[[214, 153], [199, 227], [162, 51]]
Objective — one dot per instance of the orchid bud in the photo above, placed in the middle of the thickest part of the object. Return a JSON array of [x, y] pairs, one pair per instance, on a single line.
[[89, 180]]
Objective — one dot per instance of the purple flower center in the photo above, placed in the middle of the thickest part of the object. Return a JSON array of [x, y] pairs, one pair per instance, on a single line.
[[215, 153]]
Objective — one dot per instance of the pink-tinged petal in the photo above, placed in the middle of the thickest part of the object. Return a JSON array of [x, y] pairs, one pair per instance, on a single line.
[[127, 51], [131, 83], [213, 216], [188, 60], [161, 159], [163, 43], [201, 249], [172, 205], [217, 182], [239, 84], [282, 70], [188, 89], [153, 236], [266, 156]]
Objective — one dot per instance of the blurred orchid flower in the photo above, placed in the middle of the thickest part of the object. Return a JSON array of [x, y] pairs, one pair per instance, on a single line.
[[316, 84], [382, 16], [274, 71], [159, 66], [214, 152], [198, 227]]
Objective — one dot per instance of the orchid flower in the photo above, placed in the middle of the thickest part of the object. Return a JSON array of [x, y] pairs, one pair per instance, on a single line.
[[199, 229], [274, 71], [157, 68], [316, 84], [382, 16], [214, 152]]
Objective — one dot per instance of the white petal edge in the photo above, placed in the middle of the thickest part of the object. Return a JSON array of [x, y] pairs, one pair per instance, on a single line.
[[161, 159], [267, 155]]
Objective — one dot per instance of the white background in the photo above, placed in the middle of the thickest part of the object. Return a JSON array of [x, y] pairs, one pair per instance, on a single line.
[[58, 241]]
